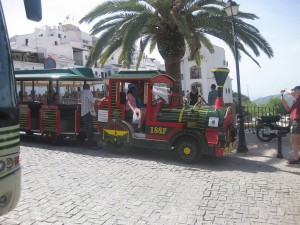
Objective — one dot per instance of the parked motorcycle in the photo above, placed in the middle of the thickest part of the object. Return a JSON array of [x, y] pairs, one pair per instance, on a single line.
[[267, 128]]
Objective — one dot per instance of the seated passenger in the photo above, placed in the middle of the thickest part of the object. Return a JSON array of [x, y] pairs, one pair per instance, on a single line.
[[131, 104], [45, 100], [55, 99]]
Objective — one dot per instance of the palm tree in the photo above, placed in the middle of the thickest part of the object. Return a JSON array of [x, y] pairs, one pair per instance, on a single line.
[[171, 26]]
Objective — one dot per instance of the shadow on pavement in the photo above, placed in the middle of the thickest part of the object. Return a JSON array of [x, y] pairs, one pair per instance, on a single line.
[[260, 158]]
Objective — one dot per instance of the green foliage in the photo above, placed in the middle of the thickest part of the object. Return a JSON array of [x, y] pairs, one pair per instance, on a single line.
[[172, 26], [245, 99], [277, 105], [249, 104]]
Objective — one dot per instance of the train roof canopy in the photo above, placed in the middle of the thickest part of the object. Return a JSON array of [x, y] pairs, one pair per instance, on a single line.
[[151, 75], [57, 74]]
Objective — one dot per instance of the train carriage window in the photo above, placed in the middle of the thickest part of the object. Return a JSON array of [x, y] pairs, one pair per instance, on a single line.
[[70, 91], [27, 88], [41, 88], [161, 90]]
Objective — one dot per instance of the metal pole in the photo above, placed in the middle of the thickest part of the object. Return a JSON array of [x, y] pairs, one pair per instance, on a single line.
[[279, 151], [241, 145]]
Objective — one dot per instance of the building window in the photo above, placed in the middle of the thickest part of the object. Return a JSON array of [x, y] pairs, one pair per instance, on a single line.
[[55, 43], [195, 72], [26, 42], [102, 75]]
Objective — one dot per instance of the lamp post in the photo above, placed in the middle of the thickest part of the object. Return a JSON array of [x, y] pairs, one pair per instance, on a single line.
[[231, 9]]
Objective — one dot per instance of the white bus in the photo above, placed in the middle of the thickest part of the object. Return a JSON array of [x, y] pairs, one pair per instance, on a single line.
[[10, 171]]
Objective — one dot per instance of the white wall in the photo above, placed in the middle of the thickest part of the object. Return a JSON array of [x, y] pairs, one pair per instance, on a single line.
[[209, 62]]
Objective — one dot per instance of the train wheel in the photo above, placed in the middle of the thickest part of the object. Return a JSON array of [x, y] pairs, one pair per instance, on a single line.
[[54, 139], [117, 148], [188, 150], [264, 133]]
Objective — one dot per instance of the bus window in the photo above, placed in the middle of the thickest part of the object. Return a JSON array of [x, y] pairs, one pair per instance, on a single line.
[[8, 107]]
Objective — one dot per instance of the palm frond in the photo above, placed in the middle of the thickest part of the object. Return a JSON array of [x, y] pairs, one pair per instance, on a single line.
[[143, 43], [171, 25], [100, 46], [132, 32], [111, 21], [114, 45], [153, 44]]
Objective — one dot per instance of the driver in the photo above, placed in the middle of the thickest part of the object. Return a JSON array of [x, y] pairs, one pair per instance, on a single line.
[[131, 104]]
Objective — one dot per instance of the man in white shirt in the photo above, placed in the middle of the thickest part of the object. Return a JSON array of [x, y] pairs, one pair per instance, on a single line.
[[87, 112]]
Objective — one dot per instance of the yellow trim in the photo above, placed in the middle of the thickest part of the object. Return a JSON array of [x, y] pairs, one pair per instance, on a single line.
[[220, 70], [234, 144], [226, 150], [187, 151], [117, 133], [181, 114]]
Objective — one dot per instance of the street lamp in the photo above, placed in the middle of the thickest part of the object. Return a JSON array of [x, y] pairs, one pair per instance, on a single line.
[[232, 9]]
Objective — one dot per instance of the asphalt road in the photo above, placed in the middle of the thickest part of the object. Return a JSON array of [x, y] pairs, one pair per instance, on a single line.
[[71, 185]]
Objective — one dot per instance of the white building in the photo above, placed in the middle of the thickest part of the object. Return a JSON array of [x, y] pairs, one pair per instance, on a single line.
[[67, 45], [202, 77], [70, 47]]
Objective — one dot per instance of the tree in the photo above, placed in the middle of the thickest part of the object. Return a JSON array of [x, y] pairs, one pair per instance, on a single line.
[[171, 25], [244, 98], [277, 105]]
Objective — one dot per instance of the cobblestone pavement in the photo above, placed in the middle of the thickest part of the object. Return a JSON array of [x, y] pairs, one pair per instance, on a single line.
[[71, 185]]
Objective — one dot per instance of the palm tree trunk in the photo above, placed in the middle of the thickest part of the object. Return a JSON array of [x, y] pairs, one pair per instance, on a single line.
[[171, 47], [173, 70]]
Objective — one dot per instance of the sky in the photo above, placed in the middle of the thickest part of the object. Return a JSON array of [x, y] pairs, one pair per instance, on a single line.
[[278, 23]]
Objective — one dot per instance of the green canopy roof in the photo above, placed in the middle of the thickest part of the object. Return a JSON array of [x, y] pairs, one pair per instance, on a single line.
[[59, 74], [143, 74]]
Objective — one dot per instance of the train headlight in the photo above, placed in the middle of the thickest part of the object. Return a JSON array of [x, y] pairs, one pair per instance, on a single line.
[[9, 162], [2, 165]]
